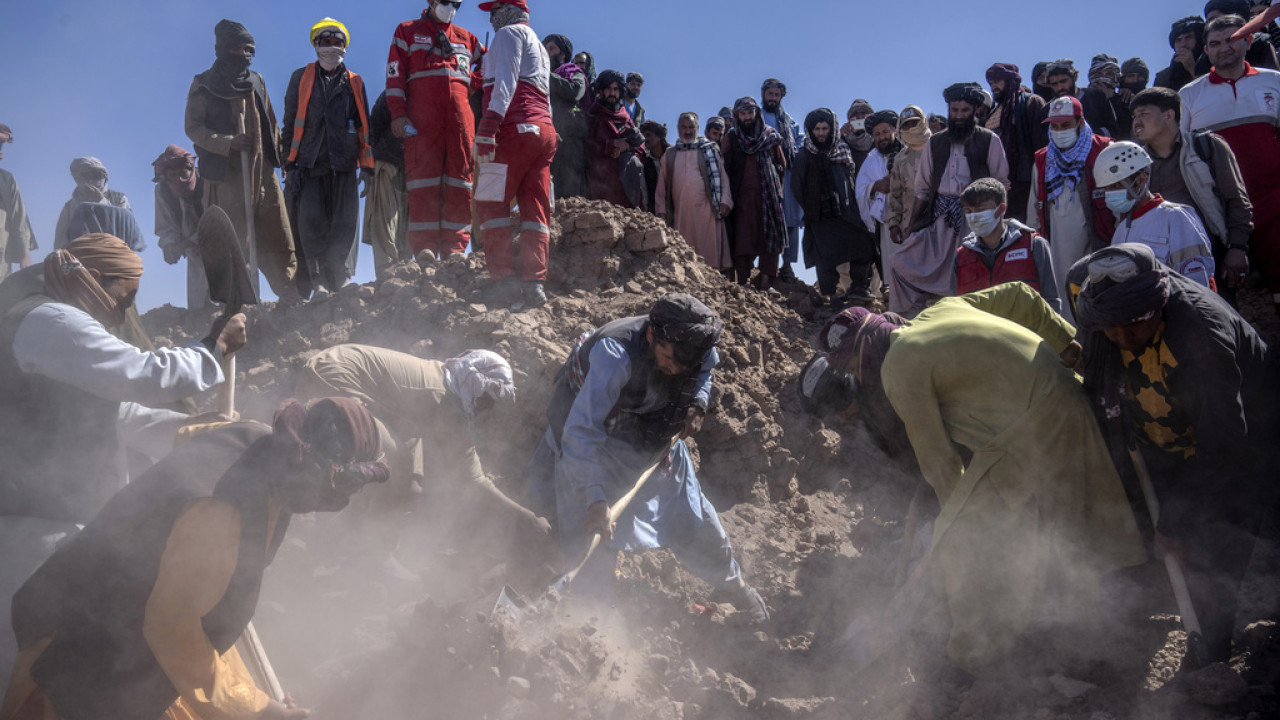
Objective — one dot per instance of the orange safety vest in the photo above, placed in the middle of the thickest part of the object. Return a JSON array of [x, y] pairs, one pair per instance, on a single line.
[[304, 101]]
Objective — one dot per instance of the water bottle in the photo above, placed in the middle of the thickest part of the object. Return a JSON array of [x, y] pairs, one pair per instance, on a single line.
[[410, 130]]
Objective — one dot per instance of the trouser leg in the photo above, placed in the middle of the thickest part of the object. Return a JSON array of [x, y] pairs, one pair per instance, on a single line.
[[459, 169], [1264, 247], [534, 196], [345, 203], [828, 277], [1019, 194], [424, 170]]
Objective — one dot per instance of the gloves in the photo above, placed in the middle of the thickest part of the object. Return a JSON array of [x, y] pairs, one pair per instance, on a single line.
[[366, 180], [487, 137]]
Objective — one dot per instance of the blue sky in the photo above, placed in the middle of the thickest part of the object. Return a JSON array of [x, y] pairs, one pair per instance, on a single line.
[[110, 79]]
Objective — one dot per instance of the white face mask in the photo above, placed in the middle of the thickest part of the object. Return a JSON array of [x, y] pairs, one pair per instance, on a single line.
[[1065, 139], [330, 57], [858, 125], [985, 222], [445, 13]]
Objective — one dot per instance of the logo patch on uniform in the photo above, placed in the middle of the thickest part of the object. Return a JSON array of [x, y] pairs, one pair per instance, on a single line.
[[1019, 254], [422, 40], [393, 69], [1267, 99]]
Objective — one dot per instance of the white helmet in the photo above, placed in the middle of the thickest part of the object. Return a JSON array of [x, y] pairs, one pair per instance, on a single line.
[[1119, 161]]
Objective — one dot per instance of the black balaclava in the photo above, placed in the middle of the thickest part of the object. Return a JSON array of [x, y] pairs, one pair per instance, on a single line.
[[231, 67]]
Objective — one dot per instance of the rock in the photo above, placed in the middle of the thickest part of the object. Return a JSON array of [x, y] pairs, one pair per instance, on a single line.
[[518, 687], [1216, 684], [737, 688], [1068, 688]]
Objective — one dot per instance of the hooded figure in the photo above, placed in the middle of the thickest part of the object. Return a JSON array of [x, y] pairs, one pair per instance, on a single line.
[[91, 187], [823, 181], [230, 120], [569, 104]]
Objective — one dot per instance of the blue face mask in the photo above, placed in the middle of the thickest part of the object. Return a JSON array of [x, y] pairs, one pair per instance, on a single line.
[[1119, 201]]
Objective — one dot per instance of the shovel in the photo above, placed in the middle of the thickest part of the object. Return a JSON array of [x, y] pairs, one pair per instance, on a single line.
[[229, 283], [1173, 568], [514, 605]]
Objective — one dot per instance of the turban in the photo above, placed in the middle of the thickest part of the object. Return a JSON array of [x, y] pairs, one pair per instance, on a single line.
[[635, 77], [969, 92], [229, 34], [774, 83], [95, 218], [882, 117], [173, 158], [4, 130], [1004, 71], [821, 115], [857, 331], [1192, 24], [1228, 7], [562, 42], [687, 323], [1102, 63], [825, 388], [715, 121], [82, 168], [745, 103], [1119, 285], [859, 105], [476, 374], [1062, 66], [67, 276], [725, 112], [609, 77], [339, 430]]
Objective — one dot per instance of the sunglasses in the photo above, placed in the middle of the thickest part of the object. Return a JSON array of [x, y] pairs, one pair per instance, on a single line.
[[454, 3]]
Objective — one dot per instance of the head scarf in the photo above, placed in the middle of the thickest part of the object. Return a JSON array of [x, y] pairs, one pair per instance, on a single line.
[[916, 136], [970, 92], [90, 175], [229, 76], [1043, 91], [821, 115], [715, 121], [1064, 168], [726, 112], [1228, 7], [857, 341], [339, 430], [824, 388], [562, 42], [176, 158], [1007, 72], [1119, 285], [96, 218], [508, 14], [67, 278], [857, 106], [1061, 66], [691, 327], [476, 374], [1102, 62]]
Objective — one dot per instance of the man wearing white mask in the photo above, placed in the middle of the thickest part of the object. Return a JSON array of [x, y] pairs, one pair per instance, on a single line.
[[1001, 249], [1174, 232], [1065, 206], [326, 136]]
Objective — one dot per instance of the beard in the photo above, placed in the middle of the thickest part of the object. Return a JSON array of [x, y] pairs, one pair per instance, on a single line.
[[770, 106], [613, 105], [884, 146], [748, 127], [961, 130]]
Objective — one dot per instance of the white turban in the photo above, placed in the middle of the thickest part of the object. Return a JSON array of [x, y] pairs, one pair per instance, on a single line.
[[477, 373]]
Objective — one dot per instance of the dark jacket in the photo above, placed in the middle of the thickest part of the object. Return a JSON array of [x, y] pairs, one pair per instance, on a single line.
[[221, 118], [91, 596], [1107, 114], [386, 146], [566, 105], [330, 137], [825, 189]]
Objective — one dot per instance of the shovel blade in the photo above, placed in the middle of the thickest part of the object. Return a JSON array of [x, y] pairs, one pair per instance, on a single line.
[[510, 603], [224, 264]]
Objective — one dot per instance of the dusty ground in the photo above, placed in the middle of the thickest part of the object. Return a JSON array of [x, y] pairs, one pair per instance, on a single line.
[[816, 514]]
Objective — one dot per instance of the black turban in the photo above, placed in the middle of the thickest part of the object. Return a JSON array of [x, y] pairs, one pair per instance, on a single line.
[[1192, 24], [562, 42], [1228, 7], [774, 83], [821, 115], [1119, 285], [609, 77], [1136, 65], [969, 92], [688, 324], [882, 117], [229, 34]]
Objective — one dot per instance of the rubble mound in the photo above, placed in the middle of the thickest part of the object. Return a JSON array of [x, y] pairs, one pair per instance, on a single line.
[[815, 513]]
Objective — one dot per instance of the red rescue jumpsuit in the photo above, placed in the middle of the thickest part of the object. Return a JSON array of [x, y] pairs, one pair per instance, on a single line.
[[429, 83], [518, 116]]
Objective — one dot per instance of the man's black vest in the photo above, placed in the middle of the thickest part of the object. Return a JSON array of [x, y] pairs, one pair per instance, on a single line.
[[976, 150], [220, 118], [58, 444], [651, 430], [91, 596]]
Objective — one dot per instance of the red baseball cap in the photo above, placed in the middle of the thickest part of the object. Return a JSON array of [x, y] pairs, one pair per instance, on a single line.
[[522, 4], [1064, 108]]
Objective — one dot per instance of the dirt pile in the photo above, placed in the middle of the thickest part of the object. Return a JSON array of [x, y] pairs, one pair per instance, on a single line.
[[815, 514]]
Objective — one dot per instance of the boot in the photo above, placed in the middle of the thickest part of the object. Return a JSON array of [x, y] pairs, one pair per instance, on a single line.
[[425, 258], [531, 296]]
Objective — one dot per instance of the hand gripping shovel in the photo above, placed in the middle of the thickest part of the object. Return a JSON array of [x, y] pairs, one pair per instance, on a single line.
[[510, 601], [229, 283], [1178, 581]]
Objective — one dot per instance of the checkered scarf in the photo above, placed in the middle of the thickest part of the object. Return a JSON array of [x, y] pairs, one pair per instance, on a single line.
[[1067, 167]]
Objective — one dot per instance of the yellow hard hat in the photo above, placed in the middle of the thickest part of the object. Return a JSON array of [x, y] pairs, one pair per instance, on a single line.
[[330, 24]]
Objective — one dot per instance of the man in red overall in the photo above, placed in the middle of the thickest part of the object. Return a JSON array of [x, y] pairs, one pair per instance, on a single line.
[[429, 80], [516, 131]]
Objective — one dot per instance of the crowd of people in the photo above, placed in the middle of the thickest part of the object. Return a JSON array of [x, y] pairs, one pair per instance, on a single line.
[[1030, 233]]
